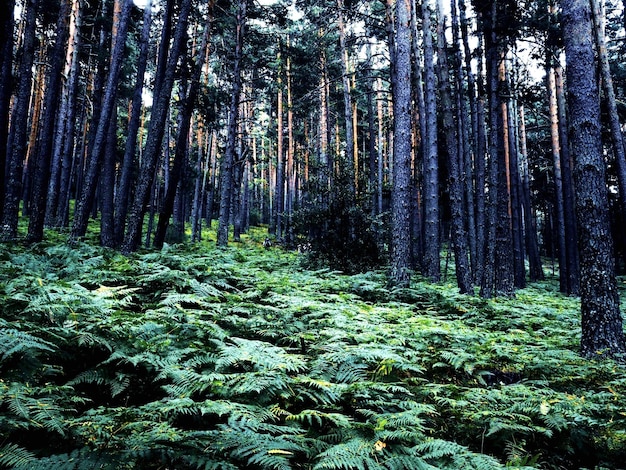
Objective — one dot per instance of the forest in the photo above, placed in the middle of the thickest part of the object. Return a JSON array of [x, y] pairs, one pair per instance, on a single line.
[[309, 234]]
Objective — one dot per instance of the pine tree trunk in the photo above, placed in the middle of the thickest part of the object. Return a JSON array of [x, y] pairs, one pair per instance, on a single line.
[[458, 216], [156, 132], [228, 162], [609, 97], [41, 163], [558, 181], [85, 202], [7, 24], [122, 194], [19, 131], [182, 140], [348, 168], [401, 189], [431, 263], [107, 184], [279, 187], [535, 271], [569, 197], [602, 331]]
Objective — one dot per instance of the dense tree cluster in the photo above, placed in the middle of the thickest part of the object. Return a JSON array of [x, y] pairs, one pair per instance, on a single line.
[[382, 133]]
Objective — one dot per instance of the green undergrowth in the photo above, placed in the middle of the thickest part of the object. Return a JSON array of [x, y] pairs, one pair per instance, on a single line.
[[196, 357]]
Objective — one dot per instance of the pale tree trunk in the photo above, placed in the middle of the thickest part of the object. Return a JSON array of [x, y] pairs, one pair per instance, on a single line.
[[66, 119], [279, 188], [602, 331], [458, 215], [431, 262], [558, 180], [228, 162], [401, 189]]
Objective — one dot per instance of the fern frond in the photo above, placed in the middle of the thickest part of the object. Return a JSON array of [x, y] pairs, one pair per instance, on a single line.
[[14, 456]]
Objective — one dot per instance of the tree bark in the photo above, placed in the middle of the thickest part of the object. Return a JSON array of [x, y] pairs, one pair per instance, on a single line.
[[17, 152], [156, 131], [401, 189], [431, 261], [182, 146], [7, 24], [602, 331], [228, 162], [85, 201], [123, 185], [41, 173], [458, 215]]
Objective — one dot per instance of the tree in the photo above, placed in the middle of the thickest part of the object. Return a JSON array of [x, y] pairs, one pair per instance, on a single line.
[[602, 331], [6, 63], [432, 245], [227, 168], [400, 47], [17, 151], [41, 170], [156, 132]]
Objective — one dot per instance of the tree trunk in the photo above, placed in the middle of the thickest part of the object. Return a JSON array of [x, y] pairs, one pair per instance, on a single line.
[[348, 168], [431, 264], [535, 271], [458, 216], [611, 102], [7, 24], [85, 201], [107, 184], [401, 189], [155, 135], [228, 162], [573, 268], [41, 173], [558, 180], [602, 331], [126, 173], [19, 131], [182, 140]]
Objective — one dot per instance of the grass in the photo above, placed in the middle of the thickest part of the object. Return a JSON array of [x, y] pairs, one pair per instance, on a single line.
[[238, 357]]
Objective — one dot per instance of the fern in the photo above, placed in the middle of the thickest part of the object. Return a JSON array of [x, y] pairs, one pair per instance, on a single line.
[[14, 456]]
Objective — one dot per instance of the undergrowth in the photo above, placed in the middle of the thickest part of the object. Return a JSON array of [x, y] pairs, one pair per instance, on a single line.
[[203, 358]]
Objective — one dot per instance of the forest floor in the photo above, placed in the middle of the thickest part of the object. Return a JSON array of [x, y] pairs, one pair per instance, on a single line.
[[240, 357]]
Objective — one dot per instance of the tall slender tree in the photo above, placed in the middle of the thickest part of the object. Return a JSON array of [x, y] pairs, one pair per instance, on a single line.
[[42, 158], [602, 331], [17, 151], [431, 261], [228, 162], [6, 66], [401, 190]]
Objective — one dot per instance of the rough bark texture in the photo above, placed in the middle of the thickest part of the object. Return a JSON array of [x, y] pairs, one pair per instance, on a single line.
[[227, 168], [431, 264], [182, 146], [401, 189], [17, 151], [156, 131], [6, 62], [85, 201], [458, 216], [601, 318], [41, 170], [123, 186]]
